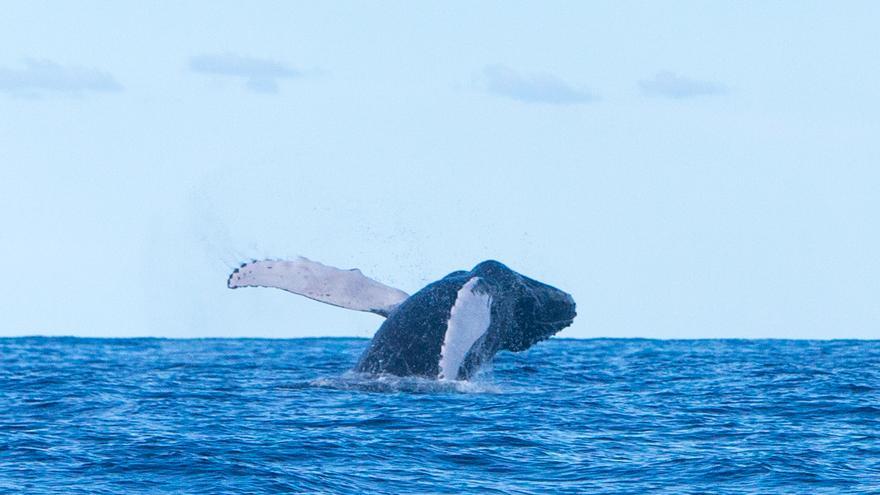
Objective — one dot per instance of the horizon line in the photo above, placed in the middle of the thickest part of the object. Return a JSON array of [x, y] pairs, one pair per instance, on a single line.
[[352, 337]]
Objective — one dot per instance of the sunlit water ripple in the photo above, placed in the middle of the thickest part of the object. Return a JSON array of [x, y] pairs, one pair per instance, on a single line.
[[569, 416]]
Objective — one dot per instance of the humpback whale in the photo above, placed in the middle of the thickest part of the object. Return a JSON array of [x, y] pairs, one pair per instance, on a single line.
[[446, 330]]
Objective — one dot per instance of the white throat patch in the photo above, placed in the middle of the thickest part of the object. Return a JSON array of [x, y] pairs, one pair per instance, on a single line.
[[468, 321]]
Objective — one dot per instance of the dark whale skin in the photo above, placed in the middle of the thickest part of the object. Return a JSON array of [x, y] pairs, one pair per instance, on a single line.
[[523, 312]]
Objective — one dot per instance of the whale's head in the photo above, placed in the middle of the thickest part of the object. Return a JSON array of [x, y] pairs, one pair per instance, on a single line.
[[539, 310]]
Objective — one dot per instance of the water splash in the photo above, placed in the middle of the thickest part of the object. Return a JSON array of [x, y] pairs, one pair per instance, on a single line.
[[394, 384]]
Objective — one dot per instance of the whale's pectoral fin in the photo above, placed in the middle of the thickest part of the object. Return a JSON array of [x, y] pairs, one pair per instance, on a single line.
[[469, 319], [348, 289]]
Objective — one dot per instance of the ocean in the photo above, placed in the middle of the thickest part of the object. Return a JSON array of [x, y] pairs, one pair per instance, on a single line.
[[216, 416]]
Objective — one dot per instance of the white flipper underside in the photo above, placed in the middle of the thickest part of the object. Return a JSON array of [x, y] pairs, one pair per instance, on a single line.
[[468, 321], [348, 289]]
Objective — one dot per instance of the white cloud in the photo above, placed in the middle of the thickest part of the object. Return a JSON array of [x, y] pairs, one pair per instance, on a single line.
[[670, 85], [260, 75], [533, 88], [39, 77]]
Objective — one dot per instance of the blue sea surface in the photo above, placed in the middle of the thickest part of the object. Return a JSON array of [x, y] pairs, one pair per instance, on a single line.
[[94, 416]]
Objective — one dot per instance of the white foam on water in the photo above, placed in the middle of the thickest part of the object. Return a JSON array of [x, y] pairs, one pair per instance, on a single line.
[[410, 384]]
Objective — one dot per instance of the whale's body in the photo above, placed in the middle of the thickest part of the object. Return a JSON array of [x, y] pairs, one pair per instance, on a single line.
[[446, 330]]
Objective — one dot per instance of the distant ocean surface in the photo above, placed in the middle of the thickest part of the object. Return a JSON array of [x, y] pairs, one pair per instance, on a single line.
[[94, 416]]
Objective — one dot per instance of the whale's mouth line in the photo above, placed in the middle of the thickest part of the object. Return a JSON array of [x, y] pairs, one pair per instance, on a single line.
[[556, 322]]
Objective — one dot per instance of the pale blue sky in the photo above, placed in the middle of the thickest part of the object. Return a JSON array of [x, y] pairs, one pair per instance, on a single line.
[[683, 169]]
